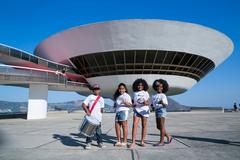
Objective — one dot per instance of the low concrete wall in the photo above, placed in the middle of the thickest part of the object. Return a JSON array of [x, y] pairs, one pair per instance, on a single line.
[[207, 109]]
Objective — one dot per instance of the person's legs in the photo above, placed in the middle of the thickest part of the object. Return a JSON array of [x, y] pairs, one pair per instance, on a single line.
[[134, 130], [99, 134], [125, 131], [118, 131], [88, 143], [158, 124], [144, 129], [89, 140], [169, 137], [162, 130]]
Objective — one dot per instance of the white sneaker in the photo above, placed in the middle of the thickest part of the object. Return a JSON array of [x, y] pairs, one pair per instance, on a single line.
[[100, 145], [88, 146]]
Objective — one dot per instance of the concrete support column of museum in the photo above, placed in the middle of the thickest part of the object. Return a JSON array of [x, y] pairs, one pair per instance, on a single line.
[[37, 102]]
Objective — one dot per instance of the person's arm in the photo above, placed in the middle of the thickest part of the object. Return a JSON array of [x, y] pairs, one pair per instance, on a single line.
[[103, 104], [133, 104], [152, 103], [147, 100], [85, 106], [86, 109], [128, 102], [115, 105], [164, 101]]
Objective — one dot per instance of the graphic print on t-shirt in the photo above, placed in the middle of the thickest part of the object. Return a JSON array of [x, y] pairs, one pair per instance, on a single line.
[[140, 98], [120, 106], [157, 98]]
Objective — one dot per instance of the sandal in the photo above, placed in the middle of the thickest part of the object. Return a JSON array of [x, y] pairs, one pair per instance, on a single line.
[[158, 144], [142, 145], [118, 144], [131, 146], [124, 144], [170, 140]]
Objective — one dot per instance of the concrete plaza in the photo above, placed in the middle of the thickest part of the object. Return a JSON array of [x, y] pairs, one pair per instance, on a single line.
[[197, 135]]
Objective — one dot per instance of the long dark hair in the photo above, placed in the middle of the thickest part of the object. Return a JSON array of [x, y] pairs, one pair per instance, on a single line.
[[164, 84], [117, 93], [136, 82]]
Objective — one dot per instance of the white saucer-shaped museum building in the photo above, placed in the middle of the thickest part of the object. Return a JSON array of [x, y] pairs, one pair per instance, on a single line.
[[122, 51]]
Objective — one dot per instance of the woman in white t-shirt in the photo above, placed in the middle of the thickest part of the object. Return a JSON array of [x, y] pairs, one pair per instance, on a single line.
[[122, 103], [160, 102], [141, 109]]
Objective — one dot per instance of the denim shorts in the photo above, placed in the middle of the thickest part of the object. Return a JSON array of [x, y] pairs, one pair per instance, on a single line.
[[121, 116], [141, 114], [161, 112]]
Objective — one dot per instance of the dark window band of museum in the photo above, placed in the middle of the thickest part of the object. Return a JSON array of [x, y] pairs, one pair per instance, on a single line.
[[143, 62], [31, 58]]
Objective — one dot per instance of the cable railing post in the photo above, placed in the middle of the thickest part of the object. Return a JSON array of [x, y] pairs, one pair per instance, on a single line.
[[47, 76]]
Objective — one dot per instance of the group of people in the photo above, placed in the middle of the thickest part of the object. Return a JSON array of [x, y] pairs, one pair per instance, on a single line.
[[140, 102]]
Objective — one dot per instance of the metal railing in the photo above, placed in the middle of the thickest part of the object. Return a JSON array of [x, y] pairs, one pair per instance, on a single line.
[[77, 84], [17, 53], [24, 76], [30, 75]]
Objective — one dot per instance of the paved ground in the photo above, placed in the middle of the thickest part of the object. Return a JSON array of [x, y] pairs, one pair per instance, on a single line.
[[196, 136]]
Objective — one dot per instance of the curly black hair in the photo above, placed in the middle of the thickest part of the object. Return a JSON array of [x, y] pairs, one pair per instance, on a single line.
[[136, 83], [163, 82], [117, 93]]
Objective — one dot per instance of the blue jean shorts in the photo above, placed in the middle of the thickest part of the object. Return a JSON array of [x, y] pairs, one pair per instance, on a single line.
[[121, 116], [141, 114], [161, 112]]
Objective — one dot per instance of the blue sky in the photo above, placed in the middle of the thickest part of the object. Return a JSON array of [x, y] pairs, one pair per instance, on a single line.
[[23, 24]]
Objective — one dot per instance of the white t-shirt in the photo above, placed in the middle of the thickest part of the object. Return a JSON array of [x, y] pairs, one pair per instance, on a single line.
[[96, 112], [120, 106], [139, 98], [157, 98]]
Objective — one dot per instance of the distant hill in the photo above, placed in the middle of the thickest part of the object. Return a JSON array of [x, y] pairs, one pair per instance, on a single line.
[[174, 106], [21, 107], [16, 107], [70, 106]]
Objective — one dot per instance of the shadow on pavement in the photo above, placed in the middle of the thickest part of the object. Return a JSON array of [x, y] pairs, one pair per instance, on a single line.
[[2, 138], [69, 141], [73, 141], [210, 140], [106, 138], [109, 139]]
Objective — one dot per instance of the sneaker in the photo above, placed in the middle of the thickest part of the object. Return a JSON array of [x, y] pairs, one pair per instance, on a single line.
[[88, 146], [100, 145]]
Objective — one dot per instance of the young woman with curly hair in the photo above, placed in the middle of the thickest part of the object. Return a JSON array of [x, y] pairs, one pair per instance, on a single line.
[[141, 110], [160, 102]]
